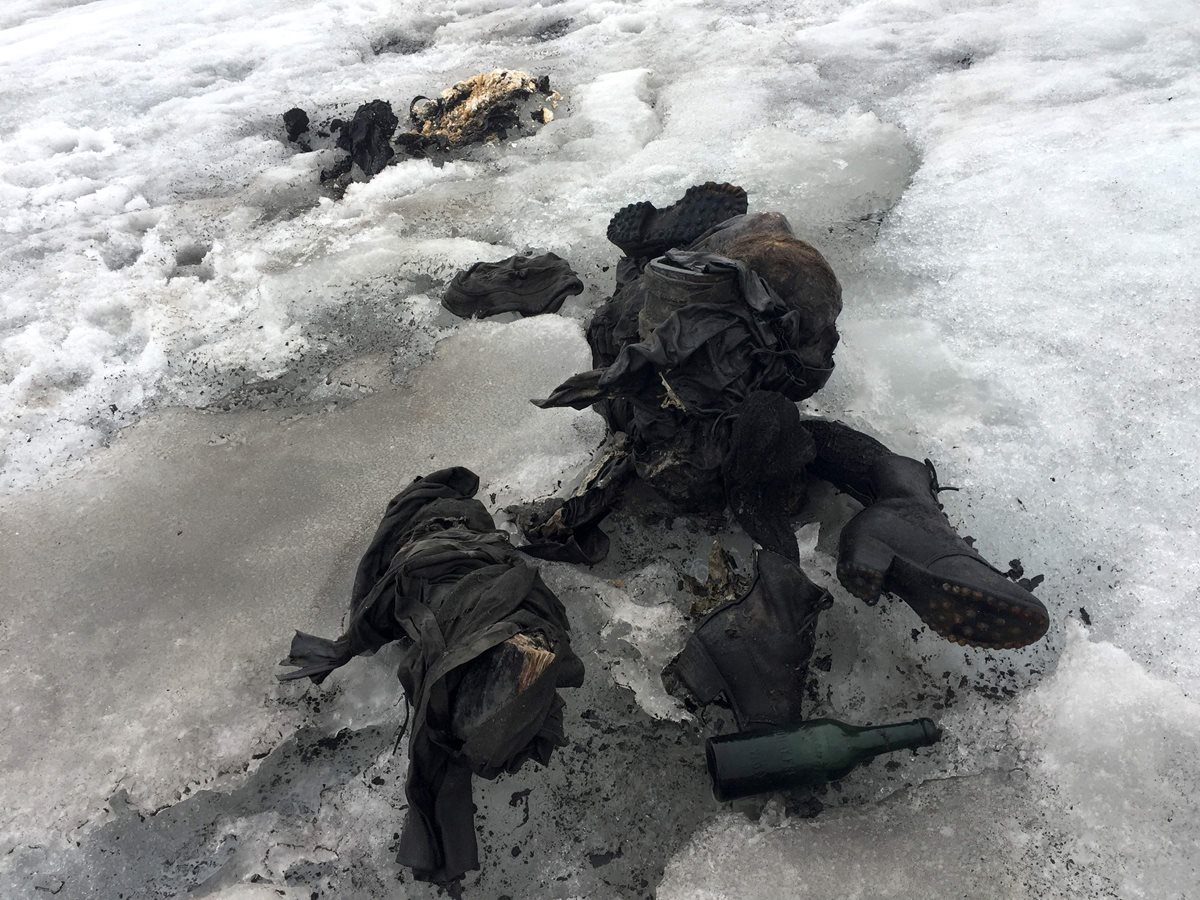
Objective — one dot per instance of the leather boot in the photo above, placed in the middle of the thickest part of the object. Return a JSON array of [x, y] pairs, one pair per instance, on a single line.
[[668, 288], [754, 651], [902, 544]]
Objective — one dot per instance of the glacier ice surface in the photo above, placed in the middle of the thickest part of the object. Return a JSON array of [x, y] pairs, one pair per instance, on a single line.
[[212, 377]]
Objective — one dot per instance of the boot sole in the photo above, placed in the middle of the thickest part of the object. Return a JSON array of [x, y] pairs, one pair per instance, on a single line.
[[957, 612], [641, 229]]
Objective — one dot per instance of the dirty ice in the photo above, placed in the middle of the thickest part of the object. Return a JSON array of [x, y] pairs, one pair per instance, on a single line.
[[213, 375]]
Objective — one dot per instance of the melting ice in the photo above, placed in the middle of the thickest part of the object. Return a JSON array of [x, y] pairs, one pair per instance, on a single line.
[[212, 377]]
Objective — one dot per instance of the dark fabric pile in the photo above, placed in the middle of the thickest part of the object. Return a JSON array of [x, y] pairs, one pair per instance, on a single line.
[[711, 353], [676, 394], [443, 582], [698, 360], [529, 285], [685, 342], [368, 137]]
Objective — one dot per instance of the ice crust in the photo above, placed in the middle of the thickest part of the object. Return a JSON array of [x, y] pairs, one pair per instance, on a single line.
[[1006, 190]]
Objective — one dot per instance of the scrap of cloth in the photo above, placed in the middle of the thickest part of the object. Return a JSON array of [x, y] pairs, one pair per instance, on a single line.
[[368, 137], [529, 285], [442, 581]]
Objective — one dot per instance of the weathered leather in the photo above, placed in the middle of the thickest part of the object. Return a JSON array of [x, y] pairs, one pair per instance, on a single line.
[[759, 647]]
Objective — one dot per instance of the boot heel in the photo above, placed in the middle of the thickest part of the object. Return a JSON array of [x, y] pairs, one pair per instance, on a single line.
[[625, 226], [694, 671], [863, 565]]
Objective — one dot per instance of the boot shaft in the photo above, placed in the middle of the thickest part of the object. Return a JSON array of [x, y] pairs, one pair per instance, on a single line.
[[894, 477], [669, 288], [902, 543]]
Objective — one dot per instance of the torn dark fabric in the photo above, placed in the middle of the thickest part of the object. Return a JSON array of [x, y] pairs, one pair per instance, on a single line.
[[529, 285], [797, 273], [709, 355], [443, 582], [368, 137], [687, 340], [569, 530]]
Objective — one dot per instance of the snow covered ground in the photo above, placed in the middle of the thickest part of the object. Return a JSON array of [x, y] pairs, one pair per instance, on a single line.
[[212, 377]]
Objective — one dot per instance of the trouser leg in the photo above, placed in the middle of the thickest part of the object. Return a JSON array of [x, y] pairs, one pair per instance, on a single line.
[[764, 470], [844, 457]]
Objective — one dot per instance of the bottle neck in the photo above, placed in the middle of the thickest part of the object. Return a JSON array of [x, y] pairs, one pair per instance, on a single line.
[[871, 740]]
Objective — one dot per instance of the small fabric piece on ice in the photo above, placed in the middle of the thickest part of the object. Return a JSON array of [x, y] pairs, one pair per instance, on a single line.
[[368, 137], [529, 285]]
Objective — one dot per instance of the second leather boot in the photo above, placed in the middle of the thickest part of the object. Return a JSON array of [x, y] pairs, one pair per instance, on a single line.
[[754, 651], [902, 544]]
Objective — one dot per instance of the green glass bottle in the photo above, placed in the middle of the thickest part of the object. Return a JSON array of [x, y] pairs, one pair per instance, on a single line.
[[809, 754]]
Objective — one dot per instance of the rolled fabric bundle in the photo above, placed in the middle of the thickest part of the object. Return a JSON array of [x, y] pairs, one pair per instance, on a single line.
[[486, 648]]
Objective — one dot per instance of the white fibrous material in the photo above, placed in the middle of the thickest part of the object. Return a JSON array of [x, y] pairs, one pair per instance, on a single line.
[[215, 371]]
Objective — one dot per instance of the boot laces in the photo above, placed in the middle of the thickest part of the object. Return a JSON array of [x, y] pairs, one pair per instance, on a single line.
[[808, 626], [933, 482]]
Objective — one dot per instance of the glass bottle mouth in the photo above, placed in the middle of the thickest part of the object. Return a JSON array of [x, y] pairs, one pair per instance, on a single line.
[[931, 730], [711, 760]]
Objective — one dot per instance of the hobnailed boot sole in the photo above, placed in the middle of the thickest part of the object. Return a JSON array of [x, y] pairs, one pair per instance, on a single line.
[[962, 614], [641, 229]]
